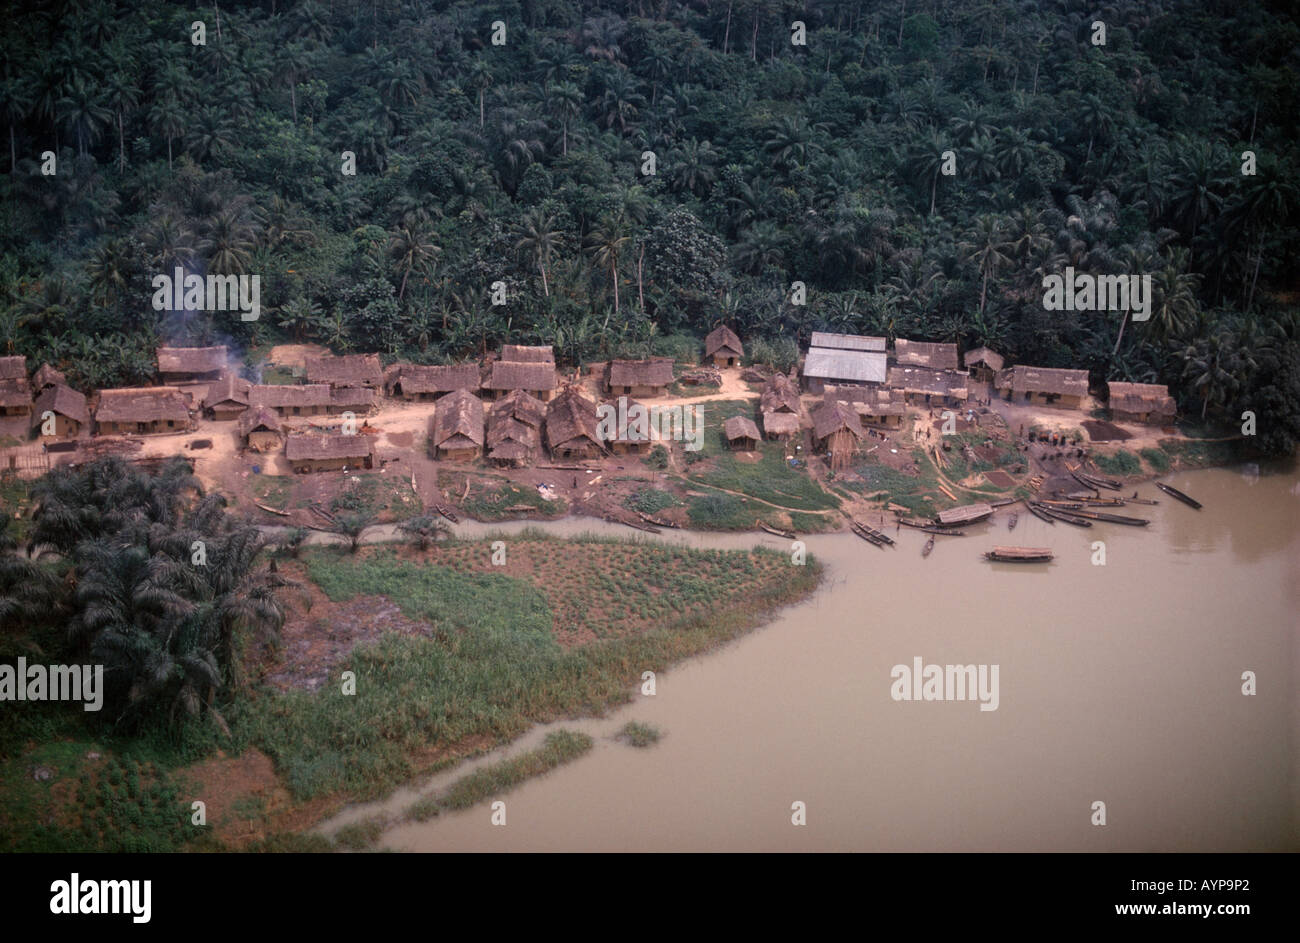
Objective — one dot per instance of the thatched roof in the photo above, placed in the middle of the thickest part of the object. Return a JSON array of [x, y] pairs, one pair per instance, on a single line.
[[571, 416], [846, 341], [227, 388], [780, 395], [518, 353], [1049, 380], [261, 418], [458, 420], [830, 418], [740, 427], [866, 401], [352, 397], [512, 451], [512, 430], [62, 400], [860, 366], [15, 392], [925, 354], [520, 405], [985, 357], [191, 359], [923, 380], [1141, 398], [517, 375], [723, 339], [142, 404], [657, 371], [285, 396], [48, 376], [1002, 380], [13, 368], [348, 370], [781, 423], [417, 378], [327, 446]]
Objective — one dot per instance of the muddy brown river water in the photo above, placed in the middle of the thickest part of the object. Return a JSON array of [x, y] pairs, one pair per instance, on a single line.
[[1118, 683]]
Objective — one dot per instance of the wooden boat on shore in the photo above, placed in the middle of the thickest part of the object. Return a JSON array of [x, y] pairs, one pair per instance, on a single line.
[[1040, 514], [779, 533], [1096, 481], [1134, 499], [657, 521], [1112, 518], [447, 512], [929, 545], [1019, 555], [1175, 493], [1063, 505], [1013, 520], [867, 532], [865, 535], [920, 523], [1065, 516], [632, 523]]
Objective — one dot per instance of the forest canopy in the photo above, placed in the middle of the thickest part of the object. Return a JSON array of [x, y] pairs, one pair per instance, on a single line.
[[1169, 150]]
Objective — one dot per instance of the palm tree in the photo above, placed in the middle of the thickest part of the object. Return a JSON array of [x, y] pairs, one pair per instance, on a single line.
[[1195, 185], [18, 99], [411, 248], [986, 246], [620, 102], [298, 315], [480, 77], [693, 168], [926, 159], [761, 245], [109, 270], [425, 530], [83, 113], [564, 103], [294, 63], [169, 118], [605, 242], [1208, 363], [539, 237]]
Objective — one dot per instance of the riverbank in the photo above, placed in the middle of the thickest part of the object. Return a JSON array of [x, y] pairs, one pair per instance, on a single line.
[[449, 655]]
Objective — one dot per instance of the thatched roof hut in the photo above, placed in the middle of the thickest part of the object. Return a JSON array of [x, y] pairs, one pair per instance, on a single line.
[[1141, 402], [982, 357], [741, 433], [142, 409], [290, 400], [922, 384], [62, 401], [1049, 386], [508, 375], [519, 353], [13, 368], [517, 404], [255, 419], [780, 425], [324, 452], [723, 347], [780, 395], [640, 377], [47, 376], [925, 354], [227, 396], [348, 370], [418, 381], [836, 427], [571, 426], [458, 425], [180, 364]]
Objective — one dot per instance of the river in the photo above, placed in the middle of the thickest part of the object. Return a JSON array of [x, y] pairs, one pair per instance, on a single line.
[[1118, 683]]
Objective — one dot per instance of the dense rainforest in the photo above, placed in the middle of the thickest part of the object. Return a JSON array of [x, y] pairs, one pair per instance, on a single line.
[[636, 173]]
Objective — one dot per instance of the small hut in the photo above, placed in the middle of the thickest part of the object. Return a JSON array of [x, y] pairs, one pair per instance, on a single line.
[[506, 376], [1048, 386], [226, 398], [571, 426], [15, 397], [191, 364], [47, 376], [147, 410], [723, 347], [837, 430], [1141, 402], [352, 399], [260, 430], [640, 377], [925, 354], [923, 386], [60, 411], [742, 435], [349, 370], [457, 429], [418, 383], [315, 453], [983, 364], [310, 400]]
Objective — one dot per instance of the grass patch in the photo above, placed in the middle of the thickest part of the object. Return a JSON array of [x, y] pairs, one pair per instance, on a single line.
[[278, 375], [651, 500], [1198, 453], [1122, 462], [15, 501], [1158, 459], [358, 836], [272, 490], [490, 495], [917, 493], [639, 735], [383, 497], [560, 747], [493, 664]]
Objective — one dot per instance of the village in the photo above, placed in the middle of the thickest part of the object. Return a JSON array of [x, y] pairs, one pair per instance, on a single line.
[[516, 436]]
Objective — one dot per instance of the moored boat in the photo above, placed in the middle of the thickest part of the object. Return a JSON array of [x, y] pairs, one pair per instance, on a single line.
[[1175, 493], [1019, 555]]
